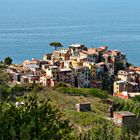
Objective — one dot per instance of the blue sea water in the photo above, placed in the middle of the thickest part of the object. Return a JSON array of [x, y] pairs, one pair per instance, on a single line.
[[28, 26]]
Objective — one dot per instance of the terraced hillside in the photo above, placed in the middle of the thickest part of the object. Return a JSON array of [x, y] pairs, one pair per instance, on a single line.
[[94, 124]]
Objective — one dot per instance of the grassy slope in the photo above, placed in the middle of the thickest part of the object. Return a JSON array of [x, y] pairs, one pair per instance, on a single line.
[[81, 120], [95, 121]]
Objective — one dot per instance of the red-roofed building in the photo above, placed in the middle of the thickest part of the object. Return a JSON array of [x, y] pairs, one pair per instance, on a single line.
[[122, 95], [91, 55], [125, 118]]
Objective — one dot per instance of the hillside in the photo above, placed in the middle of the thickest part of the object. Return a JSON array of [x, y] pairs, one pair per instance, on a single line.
[[94, 124]]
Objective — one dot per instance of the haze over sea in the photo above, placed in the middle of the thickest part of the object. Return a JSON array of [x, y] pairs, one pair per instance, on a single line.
[[28, 26]]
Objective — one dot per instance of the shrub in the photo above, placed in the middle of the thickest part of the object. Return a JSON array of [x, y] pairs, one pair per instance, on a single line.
[[31, 121], [8, 61], [97, 93], [83, 92]]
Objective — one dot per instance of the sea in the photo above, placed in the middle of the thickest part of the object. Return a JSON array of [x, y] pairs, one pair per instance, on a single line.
[[28, 26]]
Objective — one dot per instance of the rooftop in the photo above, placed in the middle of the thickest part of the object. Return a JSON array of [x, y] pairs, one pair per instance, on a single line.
[[125, 113], [53, 67], [103, 47], [65, 69], [133, 83], [89, 52], [32, 66], [120, 82], [76, 45]]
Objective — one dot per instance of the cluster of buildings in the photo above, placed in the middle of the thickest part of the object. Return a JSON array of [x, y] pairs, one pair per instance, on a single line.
[[84, 68], [76, 65], [128, 83]]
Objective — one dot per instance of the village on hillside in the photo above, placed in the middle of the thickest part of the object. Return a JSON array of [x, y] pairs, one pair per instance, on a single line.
[[84, 68], [81, 67]]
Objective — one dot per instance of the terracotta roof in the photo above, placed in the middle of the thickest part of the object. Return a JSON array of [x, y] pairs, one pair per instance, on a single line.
[[89, 52], [137, 69], [133, 68], [121, 95], [102, 48], [93, 50]]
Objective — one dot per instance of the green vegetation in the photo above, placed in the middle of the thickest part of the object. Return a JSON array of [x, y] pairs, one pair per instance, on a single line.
[[37, 119], [128, 64], [4, 76], [95, 124], [129, 105], [107, 84], [8, 61], [40, 117], [101, 58], [56, 45], [83, 92], [120, 66], [136, 99], [29, 121]]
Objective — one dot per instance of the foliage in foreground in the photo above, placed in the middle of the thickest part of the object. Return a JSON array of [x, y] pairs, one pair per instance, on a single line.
[[107, 131], [37, 119]]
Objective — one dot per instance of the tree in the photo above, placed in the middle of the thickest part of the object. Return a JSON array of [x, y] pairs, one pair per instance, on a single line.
[[128, 64], [36, 119], [8, 61], [104, 130], [4, 77], [120, 66], [101, 58], [136, 98], [56, 45], [107, 83]]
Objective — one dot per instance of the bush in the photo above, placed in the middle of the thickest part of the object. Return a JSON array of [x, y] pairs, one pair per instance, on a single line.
[[60, 84], [136, 99], [71, 91], [83, 92], [98, 93], [31, 121], [8, 61]]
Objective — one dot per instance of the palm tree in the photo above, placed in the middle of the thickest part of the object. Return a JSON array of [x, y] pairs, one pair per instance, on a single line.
[[56, 45]]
